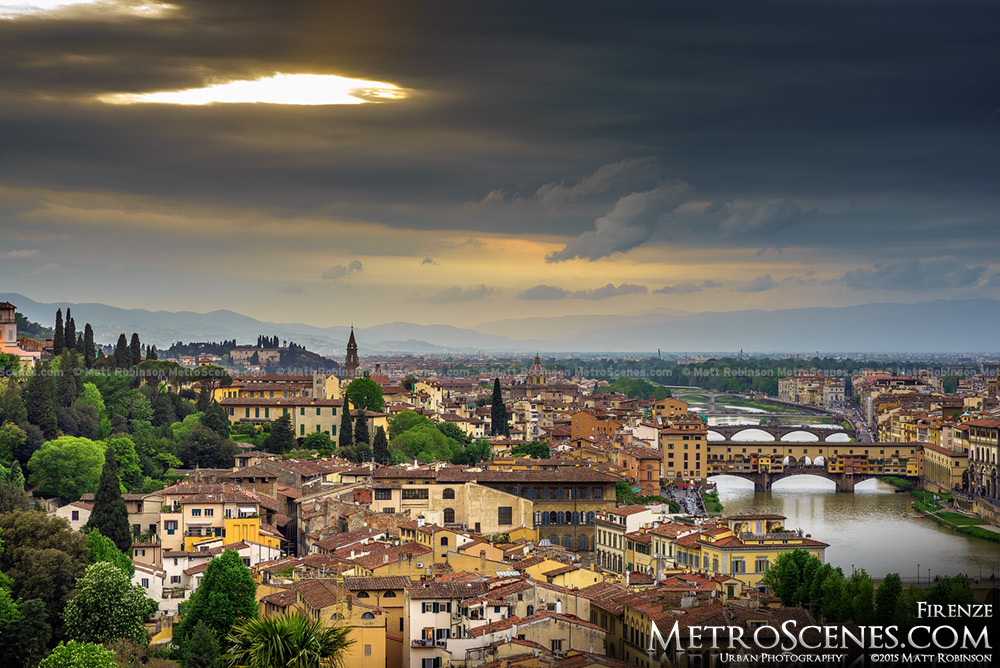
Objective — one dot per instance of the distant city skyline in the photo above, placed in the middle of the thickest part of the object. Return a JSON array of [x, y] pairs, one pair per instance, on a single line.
[[434, 163]]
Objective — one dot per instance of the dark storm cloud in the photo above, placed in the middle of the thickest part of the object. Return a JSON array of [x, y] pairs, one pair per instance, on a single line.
[[780, 107], [914, 274]]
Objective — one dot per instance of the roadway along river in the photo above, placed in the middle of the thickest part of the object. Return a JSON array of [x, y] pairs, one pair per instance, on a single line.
[[871, 529]]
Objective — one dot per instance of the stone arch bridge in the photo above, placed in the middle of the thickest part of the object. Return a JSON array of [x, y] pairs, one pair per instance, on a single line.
[[777, 433], [846, 464]]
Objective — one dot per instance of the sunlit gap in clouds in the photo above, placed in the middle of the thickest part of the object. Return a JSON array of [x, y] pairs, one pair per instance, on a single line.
[[295, 89], [64, 8]]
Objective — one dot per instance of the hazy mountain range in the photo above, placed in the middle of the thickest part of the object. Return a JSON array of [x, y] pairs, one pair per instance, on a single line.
[[969, 325]]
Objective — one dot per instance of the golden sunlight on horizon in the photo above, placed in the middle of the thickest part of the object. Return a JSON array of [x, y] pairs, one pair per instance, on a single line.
[[290, 89], [63, 9]]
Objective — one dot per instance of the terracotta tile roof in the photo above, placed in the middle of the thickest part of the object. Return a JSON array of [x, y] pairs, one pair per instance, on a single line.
[[607, 595], [341, 540], [493, 627], [378, 558], [317, 594], [282, 599], [590, 659], [288, 491], [279, 401], [255, 471], [439, 589], [565, 474], [376, 583], [196, 569]]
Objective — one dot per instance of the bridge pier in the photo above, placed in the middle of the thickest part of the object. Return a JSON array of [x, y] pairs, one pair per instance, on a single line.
[[845, 483], [762, 481]]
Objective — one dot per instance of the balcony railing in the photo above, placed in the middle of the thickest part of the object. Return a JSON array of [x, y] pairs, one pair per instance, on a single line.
[[422, 643]]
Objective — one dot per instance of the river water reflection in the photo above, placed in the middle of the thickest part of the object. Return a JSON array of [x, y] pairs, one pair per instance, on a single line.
[[872, 529]]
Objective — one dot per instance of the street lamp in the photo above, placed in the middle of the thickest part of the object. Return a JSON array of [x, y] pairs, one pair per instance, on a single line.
[[918, 573]]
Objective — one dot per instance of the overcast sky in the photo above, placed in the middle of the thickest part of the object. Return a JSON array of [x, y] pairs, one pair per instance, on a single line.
[[538, 158]]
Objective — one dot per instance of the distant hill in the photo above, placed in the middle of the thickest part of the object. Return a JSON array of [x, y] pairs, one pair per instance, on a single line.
[[968, 325]]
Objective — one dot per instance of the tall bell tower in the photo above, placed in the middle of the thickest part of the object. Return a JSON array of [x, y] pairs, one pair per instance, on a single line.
[[351, 361]]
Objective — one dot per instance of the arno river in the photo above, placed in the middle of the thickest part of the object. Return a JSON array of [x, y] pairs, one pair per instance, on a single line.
[[871, 529]]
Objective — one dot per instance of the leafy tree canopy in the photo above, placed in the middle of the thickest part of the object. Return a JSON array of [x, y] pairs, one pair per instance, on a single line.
[[365, 394], [227, 595], [107, 607], [534, 449], [67, 467], [406, 420], [103, 549], [75, 654]]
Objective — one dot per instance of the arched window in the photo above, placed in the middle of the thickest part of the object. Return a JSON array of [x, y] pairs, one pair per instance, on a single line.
[[583, 543], [576, 518], [389, 594], [554, 539], [552, 517], [449, 515], [561, 517], [449, 493], [530, 611], [568, 542], [368, 615], [590, 517], [362, 594], [335, 616]]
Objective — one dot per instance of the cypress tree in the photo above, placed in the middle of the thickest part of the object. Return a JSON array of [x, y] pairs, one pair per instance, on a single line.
[[66, 381], [59, 338], [202, 648], [70, 334], [110, 515], [123, 356], [282, 436], [151, 353], [214, 417], [361, 429], [498, 412], [380, 447], [39, 400], [89, 356], [204, 399], [135, 350], [346, 435]]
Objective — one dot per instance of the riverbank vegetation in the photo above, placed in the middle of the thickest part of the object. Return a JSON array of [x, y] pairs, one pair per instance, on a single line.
[[798, 578], [712, 504], [634, 388], [899, 483], [929, 505]]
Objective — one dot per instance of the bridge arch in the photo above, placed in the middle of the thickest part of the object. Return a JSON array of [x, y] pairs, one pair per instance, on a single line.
[[715, 436], [800, 436], [838, 437], [752, 434], [816, 476]]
